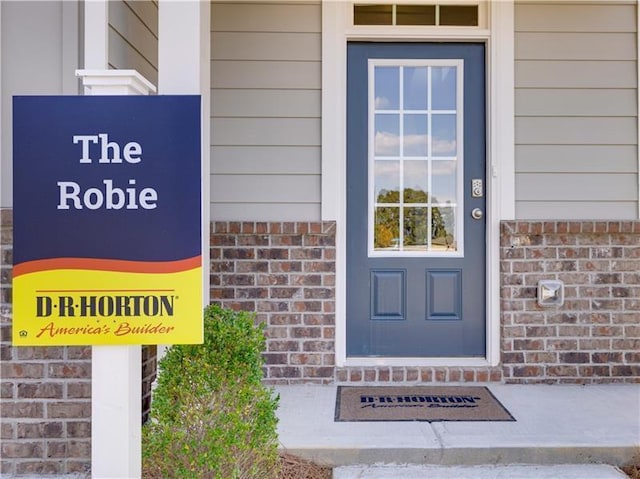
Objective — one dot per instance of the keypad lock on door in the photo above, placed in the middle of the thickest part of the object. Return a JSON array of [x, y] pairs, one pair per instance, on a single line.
[[477, 188]]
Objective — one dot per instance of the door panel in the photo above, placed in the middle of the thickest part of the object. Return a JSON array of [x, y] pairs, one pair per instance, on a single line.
[[415, 255]]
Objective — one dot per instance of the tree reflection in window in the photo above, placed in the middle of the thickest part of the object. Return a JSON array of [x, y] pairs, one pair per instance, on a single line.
[[416, 234]]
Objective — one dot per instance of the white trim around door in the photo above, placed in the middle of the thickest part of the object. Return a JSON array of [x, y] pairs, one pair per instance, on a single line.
[[337, 30]]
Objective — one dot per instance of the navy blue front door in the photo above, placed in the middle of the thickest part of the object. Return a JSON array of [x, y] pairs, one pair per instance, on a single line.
[[416, 200]]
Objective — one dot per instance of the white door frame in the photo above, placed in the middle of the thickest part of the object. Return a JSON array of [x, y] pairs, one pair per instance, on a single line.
[[337, 30]]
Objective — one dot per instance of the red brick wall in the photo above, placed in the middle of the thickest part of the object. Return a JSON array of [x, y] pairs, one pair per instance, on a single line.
[[46, 409], [595, 336], [285, 272]]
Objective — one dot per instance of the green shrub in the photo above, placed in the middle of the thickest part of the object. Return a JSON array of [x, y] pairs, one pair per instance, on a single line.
[[211, 416]]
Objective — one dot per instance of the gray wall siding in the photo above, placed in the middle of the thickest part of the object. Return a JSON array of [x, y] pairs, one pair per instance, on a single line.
[[576, 111], [133, 37], [39, 57], [265, 108]]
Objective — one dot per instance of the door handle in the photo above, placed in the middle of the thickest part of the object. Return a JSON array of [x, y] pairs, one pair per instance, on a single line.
[[477, 214]]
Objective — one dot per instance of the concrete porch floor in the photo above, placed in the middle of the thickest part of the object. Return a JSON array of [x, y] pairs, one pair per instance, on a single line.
[[555, 425]]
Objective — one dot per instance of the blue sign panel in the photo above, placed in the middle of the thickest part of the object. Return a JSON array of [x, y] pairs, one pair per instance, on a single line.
[[107, 220]]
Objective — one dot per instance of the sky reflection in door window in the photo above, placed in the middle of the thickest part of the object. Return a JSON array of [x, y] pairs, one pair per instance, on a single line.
[[443, 88], [415, 88], [387, 88], [387, 139]]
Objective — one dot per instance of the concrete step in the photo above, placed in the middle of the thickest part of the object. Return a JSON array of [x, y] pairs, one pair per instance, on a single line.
[[520, 471], [555, 425]]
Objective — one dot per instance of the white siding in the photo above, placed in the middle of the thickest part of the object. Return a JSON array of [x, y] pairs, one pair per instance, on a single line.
[[133, 37], [39, 57], [265, 108], [576, 111]]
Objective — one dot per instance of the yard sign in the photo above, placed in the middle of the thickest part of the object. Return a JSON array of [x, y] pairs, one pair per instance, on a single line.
[[107, 220]]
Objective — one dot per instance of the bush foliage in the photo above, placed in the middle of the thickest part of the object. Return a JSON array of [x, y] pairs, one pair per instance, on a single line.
[[211, 416]]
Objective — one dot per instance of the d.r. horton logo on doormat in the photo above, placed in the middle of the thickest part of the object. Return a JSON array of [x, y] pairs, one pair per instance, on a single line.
[[419, 401]]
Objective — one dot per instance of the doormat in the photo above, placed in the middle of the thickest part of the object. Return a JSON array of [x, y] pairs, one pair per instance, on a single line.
[[418, 403]]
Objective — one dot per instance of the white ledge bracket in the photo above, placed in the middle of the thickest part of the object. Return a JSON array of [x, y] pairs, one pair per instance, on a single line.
[[115, 82]]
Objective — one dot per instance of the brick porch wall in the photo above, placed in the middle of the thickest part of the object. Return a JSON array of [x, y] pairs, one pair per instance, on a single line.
[[45, 392], [417, 375], [285, 272], [595, 336]]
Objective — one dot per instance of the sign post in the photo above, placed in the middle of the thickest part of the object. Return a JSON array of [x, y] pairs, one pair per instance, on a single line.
[[108, 248]]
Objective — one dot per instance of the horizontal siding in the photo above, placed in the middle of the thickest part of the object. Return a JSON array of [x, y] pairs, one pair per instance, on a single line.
[[274, 160], [280, 188], [265, 111], [571, 102], [574, 158], [577, 46], [266, 17], [558, 186], [266, 74], [133, 37], [576, 111], [574, 74], [265, 131], [577, 210], [263, 211], [576, 130], [265, 46], [265, 103], [569, 17]]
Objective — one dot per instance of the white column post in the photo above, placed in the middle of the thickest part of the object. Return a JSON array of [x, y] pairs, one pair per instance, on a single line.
[[184, 68], [96, 28], [116, 384], [116, 371], [1, 110], [501, 202]]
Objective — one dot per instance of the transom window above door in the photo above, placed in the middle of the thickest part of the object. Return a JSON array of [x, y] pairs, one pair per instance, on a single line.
[[441, 14], [415, 157]]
